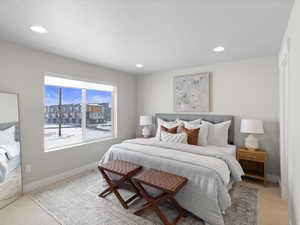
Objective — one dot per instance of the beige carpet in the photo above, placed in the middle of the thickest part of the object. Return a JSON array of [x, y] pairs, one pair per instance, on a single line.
[[75, 202], [11, 188]]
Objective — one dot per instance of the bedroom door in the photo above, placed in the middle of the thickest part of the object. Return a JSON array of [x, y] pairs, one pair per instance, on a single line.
[[10, 154]]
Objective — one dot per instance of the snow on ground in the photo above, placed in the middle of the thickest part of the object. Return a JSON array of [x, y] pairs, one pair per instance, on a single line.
[[70, 136]]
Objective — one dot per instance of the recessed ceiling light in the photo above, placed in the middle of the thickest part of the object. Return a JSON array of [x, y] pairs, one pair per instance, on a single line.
[[219, 49], [38, 29], [139, 65]]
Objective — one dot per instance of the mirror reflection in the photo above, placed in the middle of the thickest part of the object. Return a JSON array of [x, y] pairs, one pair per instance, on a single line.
[[10, 160]]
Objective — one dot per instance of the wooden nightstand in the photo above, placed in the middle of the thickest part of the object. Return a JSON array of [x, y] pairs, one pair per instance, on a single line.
[[253, 163]]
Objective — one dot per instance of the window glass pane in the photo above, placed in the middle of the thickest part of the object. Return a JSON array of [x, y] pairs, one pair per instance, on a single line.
[[76, 111], [62, 121], [98, 114]]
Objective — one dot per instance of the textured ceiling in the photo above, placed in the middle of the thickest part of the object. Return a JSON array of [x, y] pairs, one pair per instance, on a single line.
[[162, 35]]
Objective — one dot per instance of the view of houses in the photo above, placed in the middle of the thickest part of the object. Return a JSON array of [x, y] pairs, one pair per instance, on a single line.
[[98, 124], [71, 114]]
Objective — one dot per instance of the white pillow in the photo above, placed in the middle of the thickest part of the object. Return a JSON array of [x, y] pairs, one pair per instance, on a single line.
[[218, 133], [188, 123], [166, 124], [174, 138], [7, 136], [203, 134]]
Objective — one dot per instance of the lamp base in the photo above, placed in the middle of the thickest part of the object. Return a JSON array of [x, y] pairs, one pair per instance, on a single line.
[[146, 132], [251, 143]]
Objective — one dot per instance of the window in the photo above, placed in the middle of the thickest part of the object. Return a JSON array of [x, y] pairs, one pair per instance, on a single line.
[[76, 112]]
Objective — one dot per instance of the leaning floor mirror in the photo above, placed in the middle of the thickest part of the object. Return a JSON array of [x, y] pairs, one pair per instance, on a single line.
[[10, 154]]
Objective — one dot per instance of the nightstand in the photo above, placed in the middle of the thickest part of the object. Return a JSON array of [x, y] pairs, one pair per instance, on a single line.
[[253, 163]]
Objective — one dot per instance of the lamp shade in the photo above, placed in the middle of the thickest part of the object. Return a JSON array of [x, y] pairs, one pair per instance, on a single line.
[[145, 120], [252, 126]]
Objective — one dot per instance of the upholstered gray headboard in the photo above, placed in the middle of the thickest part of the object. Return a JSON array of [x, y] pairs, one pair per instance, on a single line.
[[209, 118], [4, 126]]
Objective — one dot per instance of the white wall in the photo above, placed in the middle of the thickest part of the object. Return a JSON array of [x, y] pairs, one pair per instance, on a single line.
[[245, 89], [22, 70], [293, 34]]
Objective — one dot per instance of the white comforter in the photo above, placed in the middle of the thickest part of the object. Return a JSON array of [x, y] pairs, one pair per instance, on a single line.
[[208, 171]]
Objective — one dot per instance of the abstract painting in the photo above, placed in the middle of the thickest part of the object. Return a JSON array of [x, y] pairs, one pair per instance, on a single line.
[[191, 93]]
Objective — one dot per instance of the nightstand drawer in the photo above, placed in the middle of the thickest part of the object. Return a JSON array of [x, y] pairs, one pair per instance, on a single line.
[[252, 156]]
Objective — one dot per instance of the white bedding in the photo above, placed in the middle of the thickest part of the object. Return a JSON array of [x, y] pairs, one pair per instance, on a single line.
[[209, 170], [228, 149], [9, 159], [12, 150], [3, 165]]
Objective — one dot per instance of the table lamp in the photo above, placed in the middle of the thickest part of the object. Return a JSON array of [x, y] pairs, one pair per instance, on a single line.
[[146, 122], [250, 126]]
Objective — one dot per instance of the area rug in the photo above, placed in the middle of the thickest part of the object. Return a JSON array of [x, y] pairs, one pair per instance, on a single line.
[[76, 202]]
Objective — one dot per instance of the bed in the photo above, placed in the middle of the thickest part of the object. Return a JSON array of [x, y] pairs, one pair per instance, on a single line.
[[9, 153], [211, 170]]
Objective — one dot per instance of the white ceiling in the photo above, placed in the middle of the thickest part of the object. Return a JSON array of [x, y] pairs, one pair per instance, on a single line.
[[161, 34]]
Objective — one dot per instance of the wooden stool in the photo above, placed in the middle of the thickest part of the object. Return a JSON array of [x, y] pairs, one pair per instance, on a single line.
[[169, 183], [126, 170]]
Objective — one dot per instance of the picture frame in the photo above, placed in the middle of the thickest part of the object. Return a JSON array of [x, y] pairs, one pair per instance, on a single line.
[[192, 93]]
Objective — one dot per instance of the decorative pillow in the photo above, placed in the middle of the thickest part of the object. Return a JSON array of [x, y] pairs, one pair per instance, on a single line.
[[192, 135], [203, 133], [174, 138], [188, 123], [167, 124], [169, 130], [218, 133], [7, 136]]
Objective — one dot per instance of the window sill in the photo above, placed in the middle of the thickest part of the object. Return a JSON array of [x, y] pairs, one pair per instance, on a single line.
[[79, 144]]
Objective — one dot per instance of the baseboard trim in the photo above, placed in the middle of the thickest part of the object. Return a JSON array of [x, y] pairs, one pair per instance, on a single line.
[[30, 187]]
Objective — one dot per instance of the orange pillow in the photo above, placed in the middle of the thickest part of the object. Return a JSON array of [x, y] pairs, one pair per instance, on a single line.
[[192, 135], [169, 130]]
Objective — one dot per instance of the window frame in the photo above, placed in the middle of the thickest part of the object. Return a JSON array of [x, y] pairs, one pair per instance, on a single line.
[[114, 109]]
